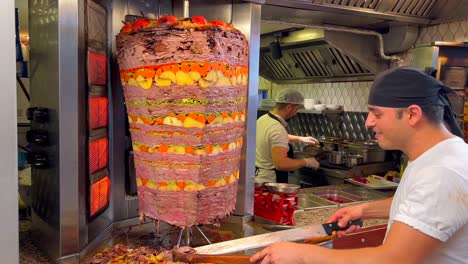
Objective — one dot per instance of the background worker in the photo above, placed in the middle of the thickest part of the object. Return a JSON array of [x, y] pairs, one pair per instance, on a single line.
[[274, 154]]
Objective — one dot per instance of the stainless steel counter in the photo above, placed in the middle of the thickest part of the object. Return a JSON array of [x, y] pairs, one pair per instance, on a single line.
[[329, 174], [139, 235]]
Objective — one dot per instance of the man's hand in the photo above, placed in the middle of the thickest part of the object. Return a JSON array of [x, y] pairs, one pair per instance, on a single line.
[[283, 252], [308, 140], [345, 215], [312, 163]]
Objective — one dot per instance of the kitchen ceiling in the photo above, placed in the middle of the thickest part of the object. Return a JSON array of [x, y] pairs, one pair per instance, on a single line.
[[367, 14], [342, 52]]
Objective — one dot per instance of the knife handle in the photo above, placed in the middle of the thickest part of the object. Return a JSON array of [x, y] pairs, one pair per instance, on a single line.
[[317, 240], [330, 227], [220, 259]]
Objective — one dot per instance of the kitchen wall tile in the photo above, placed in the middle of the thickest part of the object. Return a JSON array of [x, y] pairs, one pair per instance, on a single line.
[[454, 31]]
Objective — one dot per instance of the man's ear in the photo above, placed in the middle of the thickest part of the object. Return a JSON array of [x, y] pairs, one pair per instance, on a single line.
[[415, 114]]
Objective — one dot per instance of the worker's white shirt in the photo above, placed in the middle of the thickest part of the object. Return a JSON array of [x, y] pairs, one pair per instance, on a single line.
[[270, 133], [433, 198]]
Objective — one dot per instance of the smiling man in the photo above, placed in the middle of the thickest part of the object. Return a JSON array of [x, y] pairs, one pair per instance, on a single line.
[[428, 216]]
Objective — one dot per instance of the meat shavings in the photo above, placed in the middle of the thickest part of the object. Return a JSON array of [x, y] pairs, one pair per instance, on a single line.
[[120, 254]]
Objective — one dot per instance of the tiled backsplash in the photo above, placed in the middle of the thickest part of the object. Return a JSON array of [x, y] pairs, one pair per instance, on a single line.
[[353, 95]]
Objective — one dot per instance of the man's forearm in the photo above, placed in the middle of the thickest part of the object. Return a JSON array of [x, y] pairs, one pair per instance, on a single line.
[[293, 138], [377, 209], [288, 164]]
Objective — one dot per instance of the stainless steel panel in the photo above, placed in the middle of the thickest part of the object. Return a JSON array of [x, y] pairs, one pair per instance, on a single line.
[[246, 17], [57, 84], [117, 117], [72, 123], [210, 9], [8, 131]]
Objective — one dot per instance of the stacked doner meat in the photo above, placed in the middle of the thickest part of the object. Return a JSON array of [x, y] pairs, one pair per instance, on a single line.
[[185, 87]]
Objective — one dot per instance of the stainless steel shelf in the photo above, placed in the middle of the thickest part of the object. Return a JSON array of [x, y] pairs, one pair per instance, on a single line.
[[340, 111]]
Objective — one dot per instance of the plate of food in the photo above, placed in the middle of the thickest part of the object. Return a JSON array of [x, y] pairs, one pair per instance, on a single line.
[[373, 182]]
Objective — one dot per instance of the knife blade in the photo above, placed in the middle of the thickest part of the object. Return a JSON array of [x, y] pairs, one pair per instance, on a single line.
[[258, 241]]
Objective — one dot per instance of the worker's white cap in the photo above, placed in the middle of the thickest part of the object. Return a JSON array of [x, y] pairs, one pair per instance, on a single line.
[[289, 96]]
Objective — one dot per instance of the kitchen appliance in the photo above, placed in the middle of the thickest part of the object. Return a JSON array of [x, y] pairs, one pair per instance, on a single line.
[[277, 206], [369, 150], [337, 157], [83, 183], [353, 160]]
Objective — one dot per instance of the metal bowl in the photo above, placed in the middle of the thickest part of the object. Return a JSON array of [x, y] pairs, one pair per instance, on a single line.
[[282, 188]]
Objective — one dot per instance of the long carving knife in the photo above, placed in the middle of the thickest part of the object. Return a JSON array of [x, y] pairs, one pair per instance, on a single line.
[[301, 234]]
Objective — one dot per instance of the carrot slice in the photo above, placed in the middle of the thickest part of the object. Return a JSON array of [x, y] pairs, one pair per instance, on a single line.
[[147, 121], [163, 148], [175, 68], [172, 115], [227, 179], [134, 118], [211, 118], [163, 184], [202, 72], [201, 118], [194, 67], [225, 146], [144, 148], [148, 73], [144, 181], [193, 115], [181, 185], [224, 114], [160, 120], [207, 67], [208, 148], [185, 67], [181, 117], [189, 149], [159, 71], [211, 183]]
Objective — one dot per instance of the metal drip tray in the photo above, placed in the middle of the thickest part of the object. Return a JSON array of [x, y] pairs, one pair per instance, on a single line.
[[337, 196], [364, 194], [307, 201]]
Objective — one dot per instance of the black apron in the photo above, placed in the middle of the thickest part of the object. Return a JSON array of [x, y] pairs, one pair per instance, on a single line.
[[282, 176]]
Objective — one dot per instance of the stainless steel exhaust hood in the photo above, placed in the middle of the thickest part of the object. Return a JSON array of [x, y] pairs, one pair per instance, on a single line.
[[321, 56]]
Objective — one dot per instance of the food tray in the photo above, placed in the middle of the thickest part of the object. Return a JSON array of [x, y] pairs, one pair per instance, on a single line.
[[337, 196], [377, 182]]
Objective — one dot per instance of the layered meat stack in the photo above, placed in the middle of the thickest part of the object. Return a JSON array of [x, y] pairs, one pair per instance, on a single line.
[[185, 87]]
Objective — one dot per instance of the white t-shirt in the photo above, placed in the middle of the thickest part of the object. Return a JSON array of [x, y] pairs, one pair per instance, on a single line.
[[270, 133], [433, 198]]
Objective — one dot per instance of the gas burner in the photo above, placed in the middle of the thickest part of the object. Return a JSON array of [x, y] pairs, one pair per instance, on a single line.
[[278, 207]]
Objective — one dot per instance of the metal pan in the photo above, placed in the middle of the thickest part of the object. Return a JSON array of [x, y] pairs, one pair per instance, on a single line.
[[285, 188]]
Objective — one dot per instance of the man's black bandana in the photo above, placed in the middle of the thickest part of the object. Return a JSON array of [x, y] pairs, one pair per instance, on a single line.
[[404, 86]]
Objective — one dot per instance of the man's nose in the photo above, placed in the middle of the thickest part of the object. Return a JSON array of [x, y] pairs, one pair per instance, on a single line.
[[370, 121]]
